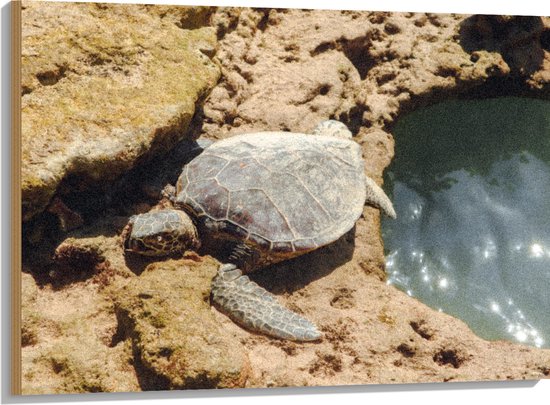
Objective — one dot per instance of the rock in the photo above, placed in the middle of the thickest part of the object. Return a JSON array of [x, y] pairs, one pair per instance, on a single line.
[[177, 342], [68, 219], [77, 259], [363, 68], [67, 342], [105, 86], [516, 38]]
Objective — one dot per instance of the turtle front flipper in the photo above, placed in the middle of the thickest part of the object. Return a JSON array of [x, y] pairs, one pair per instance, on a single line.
[[254, 308]]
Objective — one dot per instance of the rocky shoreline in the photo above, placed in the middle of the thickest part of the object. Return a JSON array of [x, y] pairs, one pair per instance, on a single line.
[[113, 93]]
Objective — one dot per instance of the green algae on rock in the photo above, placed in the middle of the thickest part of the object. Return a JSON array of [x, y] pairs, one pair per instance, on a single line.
[[176, 340], [104, 85]]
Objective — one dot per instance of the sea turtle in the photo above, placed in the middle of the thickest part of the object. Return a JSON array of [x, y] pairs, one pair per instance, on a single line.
[[269, 196]]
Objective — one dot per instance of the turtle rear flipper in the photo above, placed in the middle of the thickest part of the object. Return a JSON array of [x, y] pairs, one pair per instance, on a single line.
[[378, 199], [256, 309]]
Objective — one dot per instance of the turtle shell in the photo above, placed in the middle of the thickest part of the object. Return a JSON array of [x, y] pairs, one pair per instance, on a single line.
[[285, 193]]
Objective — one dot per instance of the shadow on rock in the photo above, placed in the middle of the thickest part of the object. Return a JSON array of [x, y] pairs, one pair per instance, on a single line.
[[521, 40], [297, 273], [92, 252], [287, 276]]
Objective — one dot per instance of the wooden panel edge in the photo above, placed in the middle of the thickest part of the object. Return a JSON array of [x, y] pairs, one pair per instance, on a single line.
[[16, 224]]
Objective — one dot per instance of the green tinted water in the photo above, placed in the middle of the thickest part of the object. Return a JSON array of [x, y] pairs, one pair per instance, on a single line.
[[471, 186]]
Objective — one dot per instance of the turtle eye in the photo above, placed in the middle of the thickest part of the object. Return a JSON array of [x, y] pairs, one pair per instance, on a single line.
[[136, 245], [160, 238]]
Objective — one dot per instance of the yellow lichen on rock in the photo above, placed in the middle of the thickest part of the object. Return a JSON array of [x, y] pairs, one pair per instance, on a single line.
[[103, 85], [177, 342]]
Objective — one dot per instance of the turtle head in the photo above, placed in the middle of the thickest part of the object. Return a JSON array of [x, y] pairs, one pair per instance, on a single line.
[[160, 233], [333, 128]]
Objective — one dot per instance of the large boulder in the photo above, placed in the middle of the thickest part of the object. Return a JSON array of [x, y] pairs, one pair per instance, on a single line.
[[106, 85], [177, 342]]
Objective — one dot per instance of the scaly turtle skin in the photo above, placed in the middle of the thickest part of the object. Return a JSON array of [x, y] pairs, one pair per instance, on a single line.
[[270, 196]]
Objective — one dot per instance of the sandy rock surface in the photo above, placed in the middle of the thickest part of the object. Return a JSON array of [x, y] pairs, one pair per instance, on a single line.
[[97, 320]]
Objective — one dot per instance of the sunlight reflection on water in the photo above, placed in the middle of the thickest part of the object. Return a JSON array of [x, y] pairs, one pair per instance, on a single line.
[[472, 237]]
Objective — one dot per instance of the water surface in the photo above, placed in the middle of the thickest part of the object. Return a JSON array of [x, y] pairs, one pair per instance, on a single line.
[[471, 186]]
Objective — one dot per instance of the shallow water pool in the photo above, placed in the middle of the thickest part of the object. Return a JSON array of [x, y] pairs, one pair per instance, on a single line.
[[470, 182]]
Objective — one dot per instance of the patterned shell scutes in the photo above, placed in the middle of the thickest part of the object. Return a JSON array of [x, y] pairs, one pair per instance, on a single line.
[[285, 192]]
